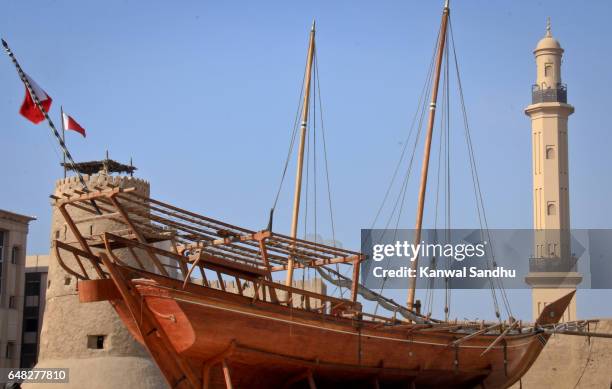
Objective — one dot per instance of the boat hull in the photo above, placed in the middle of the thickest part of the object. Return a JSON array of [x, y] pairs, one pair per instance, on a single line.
[[266, 345]]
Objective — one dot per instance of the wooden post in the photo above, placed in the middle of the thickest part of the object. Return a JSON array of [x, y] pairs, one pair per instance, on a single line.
[[425, 167], [264, 257], [311, 381], [355, 285], [226, 375], [300, 161], [206, 376]]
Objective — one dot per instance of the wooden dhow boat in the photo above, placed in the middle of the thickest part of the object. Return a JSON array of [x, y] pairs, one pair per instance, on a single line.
[[203, 335], [201, 296]]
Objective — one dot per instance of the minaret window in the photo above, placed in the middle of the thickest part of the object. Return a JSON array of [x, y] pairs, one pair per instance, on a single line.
[[551, 209], [548, 70], [550, 152]]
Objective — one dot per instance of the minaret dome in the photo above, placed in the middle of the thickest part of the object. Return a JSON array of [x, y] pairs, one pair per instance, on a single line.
[[548, 55]]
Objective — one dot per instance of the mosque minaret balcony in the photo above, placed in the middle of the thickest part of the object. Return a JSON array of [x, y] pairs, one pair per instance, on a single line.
[[548, 95]]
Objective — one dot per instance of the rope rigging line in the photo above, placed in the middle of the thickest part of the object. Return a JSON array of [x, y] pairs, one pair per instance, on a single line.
[[444, 171], [327, 179], [417, 119], [370, 295], [422, 98], [401, 197], [477, 189], [429, 296], [311, 148], [291, 144]]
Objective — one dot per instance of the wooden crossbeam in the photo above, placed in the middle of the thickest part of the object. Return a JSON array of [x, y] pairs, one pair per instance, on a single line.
[[320, 262], [474, 334], [91, 195], [500, 337]]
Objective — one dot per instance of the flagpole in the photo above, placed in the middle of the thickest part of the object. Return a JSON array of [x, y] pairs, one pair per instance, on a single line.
[[63, 136], [67, 154]]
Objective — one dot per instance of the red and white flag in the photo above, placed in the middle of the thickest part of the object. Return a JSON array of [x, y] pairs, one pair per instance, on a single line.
[[28, 109], [71, 124]]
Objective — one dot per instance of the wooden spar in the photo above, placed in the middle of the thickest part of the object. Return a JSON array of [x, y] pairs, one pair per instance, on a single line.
[[475, 334], [300, 161], [79, 237], [138, 235], [425, 168], [226, 375], [355, 281], [580, 333], [500, 337]]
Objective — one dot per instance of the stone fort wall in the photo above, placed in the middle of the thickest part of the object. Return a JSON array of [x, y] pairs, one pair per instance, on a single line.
[[71, 331]]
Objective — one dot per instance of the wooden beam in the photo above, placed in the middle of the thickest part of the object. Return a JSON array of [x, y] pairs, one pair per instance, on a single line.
[[115, 216], [139, 236], [321, 262], [67, 268], [93, 195], [427, 149], [206, 376], [315, 364], [264, 257], [174, 366], [204, 257], [474, 334], [226, 375], [500, 337], [355, 282], [79, 237]]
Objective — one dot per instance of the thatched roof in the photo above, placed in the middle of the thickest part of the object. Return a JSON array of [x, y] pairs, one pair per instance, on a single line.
[[93, 167]]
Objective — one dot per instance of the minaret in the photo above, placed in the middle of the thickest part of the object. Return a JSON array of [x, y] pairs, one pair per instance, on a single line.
[[552, 269]]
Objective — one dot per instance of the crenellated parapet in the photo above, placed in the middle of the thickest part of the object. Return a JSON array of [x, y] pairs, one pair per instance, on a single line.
[[101, 179]]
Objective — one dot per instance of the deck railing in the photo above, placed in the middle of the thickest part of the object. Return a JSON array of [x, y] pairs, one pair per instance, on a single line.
[[154, 237]]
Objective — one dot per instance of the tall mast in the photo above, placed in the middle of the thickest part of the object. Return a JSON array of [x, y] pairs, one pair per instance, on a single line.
[[425, 168], [300, 161]]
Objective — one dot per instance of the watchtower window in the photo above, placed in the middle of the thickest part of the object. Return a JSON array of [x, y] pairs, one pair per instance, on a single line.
[[95, 342], [550, 152], [552, 209]]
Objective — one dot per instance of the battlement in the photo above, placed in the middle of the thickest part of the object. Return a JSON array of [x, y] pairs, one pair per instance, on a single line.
[[67, 184]]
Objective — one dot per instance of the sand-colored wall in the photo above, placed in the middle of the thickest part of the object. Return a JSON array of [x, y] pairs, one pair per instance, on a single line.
[[573, 362], [67, 323]]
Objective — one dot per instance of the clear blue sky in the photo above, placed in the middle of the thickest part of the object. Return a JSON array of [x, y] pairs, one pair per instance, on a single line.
[[202, 96]]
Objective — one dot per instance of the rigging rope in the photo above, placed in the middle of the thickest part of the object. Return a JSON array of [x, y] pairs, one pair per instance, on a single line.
[[329, 197], [420, 115], [477, 189], [444, 167], [385, 302], [291, 143]]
